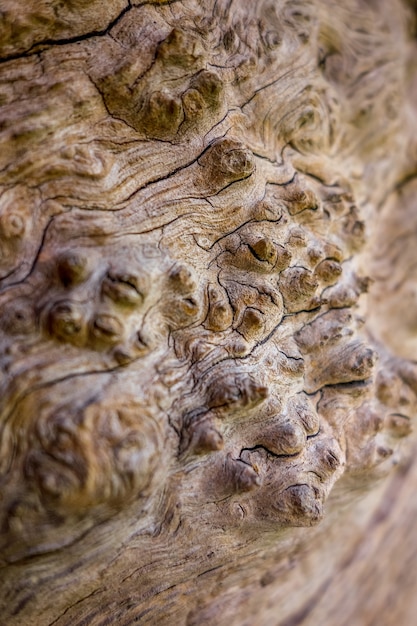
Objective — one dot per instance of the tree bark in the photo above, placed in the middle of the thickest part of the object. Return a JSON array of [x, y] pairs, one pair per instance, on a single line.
[[208, 320]]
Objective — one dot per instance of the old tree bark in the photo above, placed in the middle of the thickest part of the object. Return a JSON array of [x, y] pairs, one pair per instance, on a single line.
[[208, 312]]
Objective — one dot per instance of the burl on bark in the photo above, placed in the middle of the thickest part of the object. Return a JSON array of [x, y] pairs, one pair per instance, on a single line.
[[208, 312]]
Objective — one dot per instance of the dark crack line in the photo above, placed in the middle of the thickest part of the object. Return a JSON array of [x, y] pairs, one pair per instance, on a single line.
[[43, 385], [241, 226], [285, 183], [268, 451], [109, 113], [265, 158], [263, 87], [22, 280], [14, 270], [215, 126], [343, 386], [26, 560], [316, 178], [244, 357], [160, 3], [41, 46], [151, 229], [93, 593], [233, 182], [165, 177], [213, 569], [405, 181], [260, 343]]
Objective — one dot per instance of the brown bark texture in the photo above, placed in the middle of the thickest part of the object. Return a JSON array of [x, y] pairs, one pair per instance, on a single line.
[[208, 326]]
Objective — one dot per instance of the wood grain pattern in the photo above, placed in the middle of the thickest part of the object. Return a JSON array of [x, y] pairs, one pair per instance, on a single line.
[[207, 312]]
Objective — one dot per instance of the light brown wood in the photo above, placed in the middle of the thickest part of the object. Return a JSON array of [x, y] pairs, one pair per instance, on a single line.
[[208, 290]]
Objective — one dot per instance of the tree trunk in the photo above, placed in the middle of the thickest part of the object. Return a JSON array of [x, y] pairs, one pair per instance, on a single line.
[[208, 321]]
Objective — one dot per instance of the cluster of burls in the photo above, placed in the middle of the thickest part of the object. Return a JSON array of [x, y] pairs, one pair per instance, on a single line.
[[190, 93], [273, 277], [201, 319], [100, 308]]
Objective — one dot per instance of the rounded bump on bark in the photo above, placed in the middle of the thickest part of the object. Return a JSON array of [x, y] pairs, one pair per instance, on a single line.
[[241, 476], [66, 322], [298, 198], [326, 330], [106, 329], [270, 38], [205, 438], [384, 452], [354, 229], [300, 505], [181, 278], [368, 424], [298, 286], [184, 304], [261, 254], [12, 225], [132, 349], [209, 85], [285, 438], [193, 104], [203, 95], [123, 288], [297, 237], [220, 314], [328, 271], [373, 420], [18, 317], [399, 425], [237, 162], [73, 268], [361, 362], [123, 355], [387, 387], [187, 309], [333, 252], [302, 409], [233, 392], [180, 48], [283, 258], [349, 363], [256, 253], [220, 317], [83, 458], [21, 516], [161, 115], [252, 324], [227, 160], [264, 250], [230, 39], [238, 347], [341, 296], [267, 208], [331, 460], [315, 254]]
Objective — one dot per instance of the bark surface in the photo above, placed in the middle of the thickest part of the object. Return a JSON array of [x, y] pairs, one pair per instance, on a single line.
[[208, 324]]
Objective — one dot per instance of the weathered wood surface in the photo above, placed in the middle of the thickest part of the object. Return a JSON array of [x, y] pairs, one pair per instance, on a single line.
[[208, 313]]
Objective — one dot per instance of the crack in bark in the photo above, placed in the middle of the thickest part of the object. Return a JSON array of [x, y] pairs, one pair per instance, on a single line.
[[10, 285], [268, 451], [71, 606], [46, 44]]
